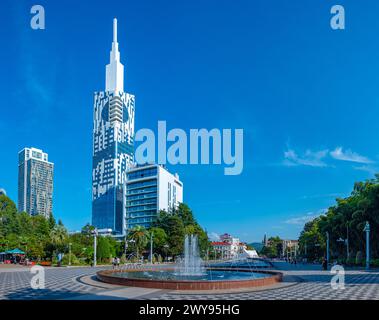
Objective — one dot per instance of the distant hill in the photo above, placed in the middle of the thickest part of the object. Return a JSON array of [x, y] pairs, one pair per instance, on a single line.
[[256, 245]]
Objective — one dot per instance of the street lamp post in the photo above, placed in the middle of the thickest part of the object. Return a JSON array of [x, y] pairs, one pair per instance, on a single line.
[[94, 250], [347, 243], [69, 253], [151, 248], [327, 246], [367, 230], [95, 233], [126, 244]]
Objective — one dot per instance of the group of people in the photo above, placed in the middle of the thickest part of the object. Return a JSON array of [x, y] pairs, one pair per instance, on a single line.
[[291, 260], [116, 262]]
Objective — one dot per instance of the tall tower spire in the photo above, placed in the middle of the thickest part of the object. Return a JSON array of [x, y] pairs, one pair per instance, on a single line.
[[114, 72], [113, 146], [115, 30]]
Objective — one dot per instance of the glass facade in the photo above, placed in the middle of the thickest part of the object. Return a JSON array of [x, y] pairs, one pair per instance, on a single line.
[[35, 182], [149, 189], [142, 197], [112, 155]]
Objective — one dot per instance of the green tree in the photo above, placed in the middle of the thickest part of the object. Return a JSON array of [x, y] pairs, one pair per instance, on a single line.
[[347, 218], [104, 250], [274, 247], [176, 225], [139, 239], [58, 239], [160, 239], [58, 235], [52, 222]]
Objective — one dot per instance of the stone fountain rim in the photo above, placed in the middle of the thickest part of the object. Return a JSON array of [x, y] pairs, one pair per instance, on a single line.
[[106, 276]]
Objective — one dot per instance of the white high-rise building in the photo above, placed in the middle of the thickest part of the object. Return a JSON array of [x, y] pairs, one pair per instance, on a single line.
[[150, 188], [35, 182], [113, 145]]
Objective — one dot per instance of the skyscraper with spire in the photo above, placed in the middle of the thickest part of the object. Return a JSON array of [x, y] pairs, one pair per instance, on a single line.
[[113, 146]]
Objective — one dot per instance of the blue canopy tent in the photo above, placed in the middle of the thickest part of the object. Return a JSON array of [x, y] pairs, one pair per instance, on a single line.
[[15, 251], [13, 255]]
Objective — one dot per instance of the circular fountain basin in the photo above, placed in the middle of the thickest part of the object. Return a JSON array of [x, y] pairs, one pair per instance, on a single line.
[[212, 279]]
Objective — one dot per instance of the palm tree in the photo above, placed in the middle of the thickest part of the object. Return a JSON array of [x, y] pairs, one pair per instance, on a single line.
[[139, 236], [58, 236]]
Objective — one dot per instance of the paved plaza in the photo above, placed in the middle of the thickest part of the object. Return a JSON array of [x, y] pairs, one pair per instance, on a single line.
[[79, 283]]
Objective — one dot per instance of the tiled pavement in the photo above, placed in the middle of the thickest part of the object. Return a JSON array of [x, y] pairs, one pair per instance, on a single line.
[[59, 283], [310, 283]]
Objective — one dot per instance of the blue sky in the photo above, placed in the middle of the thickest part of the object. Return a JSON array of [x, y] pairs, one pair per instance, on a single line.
[[306, 96]]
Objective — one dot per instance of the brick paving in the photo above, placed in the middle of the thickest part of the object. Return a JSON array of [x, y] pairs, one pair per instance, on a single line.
[[59, 283], [305, 283]]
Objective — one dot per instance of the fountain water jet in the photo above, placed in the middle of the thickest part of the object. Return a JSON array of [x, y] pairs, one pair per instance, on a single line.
[[191, 264]]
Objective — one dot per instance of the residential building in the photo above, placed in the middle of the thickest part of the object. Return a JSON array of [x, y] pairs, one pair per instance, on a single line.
[[149, 189], [290, 247], [229, 247], [35, 182]]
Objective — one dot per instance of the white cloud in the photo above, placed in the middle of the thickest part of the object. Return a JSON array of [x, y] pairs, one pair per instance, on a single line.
[[318, 158], [309, 158], [309, 216], [213, 236], [371, 169], [348, 155], [317, 196]]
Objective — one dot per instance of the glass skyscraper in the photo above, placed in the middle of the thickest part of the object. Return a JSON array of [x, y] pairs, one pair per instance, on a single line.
[[35, 182], [113, 146]]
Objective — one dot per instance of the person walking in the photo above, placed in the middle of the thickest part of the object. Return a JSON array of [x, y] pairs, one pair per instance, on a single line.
[[324, 264], [114, 262], [118, 262]]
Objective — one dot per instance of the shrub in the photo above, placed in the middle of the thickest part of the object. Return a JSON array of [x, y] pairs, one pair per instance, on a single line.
[[374, 262], [358, 258], [74, 260]]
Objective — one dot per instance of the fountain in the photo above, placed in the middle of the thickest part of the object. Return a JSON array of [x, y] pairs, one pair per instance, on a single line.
[[191, 264], [189, 273]]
